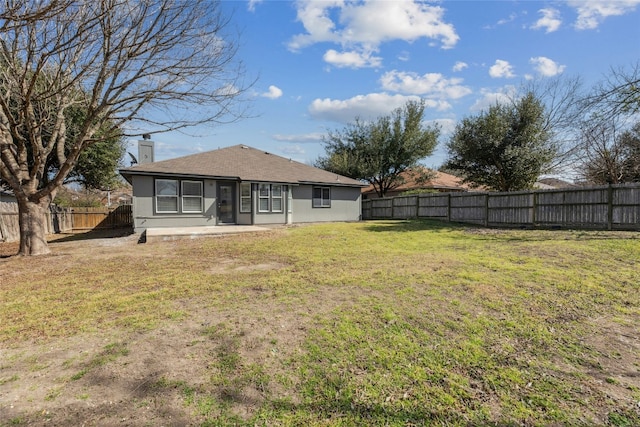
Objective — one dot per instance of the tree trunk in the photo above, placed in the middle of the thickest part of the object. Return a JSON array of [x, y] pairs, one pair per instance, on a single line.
[[33, 227]]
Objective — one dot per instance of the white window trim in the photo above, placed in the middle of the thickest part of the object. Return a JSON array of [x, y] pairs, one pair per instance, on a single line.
[[245, 184], [267, 198], [176, 196], [276, 197], [192, 196]]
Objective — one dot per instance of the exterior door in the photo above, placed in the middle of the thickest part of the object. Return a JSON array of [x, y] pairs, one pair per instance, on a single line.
[[226, 203]]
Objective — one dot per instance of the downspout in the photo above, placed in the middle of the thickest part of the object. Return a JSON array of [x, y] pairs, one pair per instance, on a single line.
[[289, 214]]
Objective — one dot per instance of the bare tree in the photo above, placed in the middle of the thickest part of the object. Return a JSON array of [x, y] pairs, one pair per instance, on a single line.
[[609, 143], [144, 66], [562, 97], [618, 94], [608, 155], [602, 156]]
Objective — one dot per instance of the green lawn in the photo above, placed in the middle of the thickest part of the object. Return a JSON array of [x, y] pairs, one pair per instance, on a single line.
[[401, 323]]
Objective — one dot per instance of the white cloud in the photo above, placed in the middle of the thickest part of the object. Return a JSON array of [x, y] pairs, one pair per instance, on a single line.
[[362, 26], [430, 84], [459, 66], [512, 17], [502, 96], [591, 13], [292, 150], [251, 6], [367, 107], [447, 126], [274, 92], [351, 59], [404, 56], [550, 20], [299, 138], [546, 67], [501, 69]]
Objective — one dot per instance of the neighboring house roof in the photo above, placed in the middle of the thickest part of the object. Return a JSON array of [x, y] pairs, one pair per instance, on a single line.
[[441, 182], [244, 163], [552, 183]]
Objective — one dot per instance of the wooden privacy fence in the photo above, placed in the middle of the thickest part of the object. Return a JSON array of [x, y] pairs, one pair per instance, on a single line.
[[91, 218], [64, 220], [614, 207]]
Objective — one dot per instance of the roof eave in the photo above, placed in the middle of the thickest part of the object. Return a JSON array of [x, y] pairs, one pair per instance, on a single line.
[[333, 183], [128, 172]]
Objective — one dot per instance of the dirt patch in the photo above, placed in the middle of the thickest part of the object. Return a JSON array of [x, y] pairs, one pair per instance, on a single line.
[[83, 381], [230, 266], [618, 363]]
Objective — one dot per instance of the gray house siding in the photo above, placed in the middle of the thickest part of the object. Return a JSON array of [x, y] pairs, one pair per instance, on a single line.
[[345, 205], [144, 211], [297, 206]]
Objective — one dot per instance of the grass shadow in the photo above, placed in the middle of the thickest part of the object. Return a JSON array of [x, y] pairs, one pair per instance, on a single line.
[[97, 233], [403, 226]]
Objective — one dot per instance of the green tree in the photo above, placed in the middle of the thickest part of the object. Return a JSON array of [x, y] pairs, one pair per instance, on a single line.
[[379, 152], [505, 149], [140, 65], [97, 165]]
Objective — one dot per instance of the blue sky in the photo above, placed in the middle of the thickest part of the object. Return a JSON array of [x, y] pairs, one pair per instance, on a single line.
[[320, 64]]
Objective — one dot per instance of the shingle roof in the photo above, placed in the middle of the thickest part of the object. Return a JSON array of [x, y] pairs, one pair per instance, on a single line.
[[440, 181], [243, 163]]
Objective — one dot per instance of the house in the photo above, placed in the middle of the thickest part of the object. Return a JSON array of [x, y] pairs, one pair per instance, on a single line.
[[439, 182], [237, 185]]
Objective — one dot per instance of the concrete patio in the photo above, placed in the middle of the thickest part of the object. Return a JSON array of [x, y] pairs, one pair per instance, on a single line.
[[175, 233]]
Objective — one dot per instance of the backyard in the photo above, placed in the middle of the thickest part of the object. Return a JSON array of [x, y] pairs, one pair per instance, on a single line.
[[381, 323]]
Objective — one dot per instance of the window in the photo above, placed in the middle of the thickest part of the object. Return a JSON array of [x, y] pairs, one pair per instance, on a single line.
[[245, 197], [191, 196], [271, 197], [276, 198], [263, 197], [166, 195], [321, 197], [168, 192]]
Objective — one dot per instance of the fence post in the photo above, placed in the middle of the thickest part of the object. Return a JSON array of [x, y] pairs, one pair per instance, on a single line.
[[2, 229], [486, 210], [393, 208], [534, 217], [449, 207], [609, 207]]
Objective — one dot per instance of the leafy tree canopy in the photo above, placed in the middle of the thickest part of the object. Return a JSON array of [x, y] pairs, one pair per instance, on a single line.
[[505, 149], [380, 151]]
